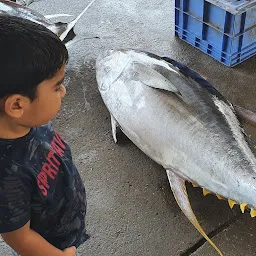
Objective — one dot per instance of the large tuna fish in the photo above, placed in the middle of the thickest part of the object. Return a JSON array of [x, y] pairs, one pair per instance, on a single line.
[[63, 30], [180, 121]]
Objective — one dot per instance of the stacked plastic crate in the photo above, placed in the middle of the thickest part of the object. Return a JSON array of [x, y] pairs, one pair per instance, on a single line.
[[223, 29]]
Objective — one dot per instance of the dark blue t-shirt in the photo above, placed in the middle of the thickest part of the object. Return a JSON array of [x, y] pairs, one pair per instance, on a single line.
[[40, 183]]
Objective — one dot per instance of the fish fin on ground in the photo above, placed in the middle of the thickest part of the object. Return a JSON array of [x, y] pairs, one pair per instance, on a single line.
[[70, 43], [26, 2], [246, 115], [152, 78], [115, 128], [51, 16], [71, 24], [69, 37], [179, 190], [23, 2]]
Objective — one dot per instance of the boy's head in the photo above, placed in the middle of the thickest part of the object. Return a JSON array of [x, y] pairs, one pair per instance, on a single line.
[[32, 68]]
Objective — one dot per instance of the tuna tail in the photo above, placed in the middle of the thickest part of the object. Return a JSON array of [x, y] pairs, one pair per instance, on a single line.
[[180, 193], [70, 25]]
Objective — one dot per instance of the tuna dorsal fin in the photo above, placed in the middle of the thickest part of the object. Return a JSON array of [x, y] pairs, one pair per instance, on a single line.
[[246, 115], [152, 78], [180, 193], [195, 76], [71, 25]]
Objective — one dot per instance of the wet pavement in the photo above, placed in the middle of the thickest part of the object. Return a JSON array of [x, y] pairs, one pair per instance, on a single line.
[[131, 209]]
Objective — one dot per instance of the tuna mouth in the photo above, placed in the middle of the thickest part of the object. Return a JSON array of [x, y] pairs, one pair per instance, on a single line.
[[243, 207]]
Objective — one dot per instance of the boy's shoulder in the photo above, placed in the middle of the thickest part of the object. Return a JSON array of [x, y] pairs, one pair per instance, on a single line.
[[31, 150], [39, 135]]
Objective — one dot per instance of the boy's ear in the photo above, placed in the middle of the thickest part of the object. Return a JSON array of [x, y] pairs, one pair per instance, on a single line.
[[15, 105]]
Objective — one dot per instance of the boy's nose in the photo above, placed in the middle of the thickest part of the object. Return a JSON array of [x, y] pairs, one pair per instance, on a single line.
[[63, 91]]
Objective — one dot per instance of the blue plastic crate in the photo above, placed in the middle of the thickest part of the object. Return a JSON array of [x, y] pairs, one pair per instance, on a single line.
[[223, 29]]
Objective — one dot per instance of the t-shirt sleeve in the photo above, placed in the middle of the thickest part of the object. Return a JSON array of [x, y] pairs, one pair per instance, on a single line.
[[14, 203]]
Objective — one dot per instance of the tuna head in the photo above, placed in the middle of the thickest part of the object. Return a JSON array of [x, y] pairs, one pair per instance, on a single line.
[[179, 120]]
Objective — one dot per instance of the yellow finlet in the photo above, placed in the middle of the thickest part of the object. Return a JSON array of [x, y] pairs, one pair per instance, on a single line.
[[195, 185], [219, 197], [242, 207], [231, 203], [253, 213], [206, 192]]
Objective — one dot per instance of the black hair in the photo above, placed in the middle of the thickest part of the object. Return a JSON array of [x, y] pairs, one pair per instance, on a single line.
[[29, 54]]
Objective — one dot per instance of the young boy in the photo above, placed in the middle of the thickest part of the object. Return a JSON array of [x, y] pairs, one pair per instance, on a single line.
[[42, 197]]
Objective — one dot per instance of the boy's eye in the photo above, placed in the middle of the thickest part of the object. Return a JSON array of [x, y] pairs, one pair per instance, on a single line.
[[58, 88]]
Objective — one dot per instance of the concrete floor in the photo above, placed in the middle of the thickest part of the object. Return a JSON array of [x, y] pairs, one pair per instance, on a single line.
[[131, 209]]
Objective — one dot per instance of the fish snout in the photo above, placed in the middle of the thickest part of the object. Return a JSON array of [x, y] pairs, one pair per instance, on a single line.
[[103, 70], [106, 75]]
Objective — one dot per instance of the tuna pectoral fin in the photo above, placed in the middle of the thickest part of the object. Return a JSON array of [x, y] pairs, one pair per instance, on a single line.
[[115, 128], [71, 25], [153, 78], [180, 193], [246, 115]]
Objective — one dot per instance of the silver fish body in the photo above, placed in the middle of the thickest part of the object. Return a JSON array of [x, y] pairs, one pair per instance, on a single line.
[[189, 129]]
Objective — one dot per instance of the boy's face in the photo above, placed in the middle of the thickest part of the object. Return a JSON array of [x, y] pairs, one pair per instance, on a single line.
[[47, 102]]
